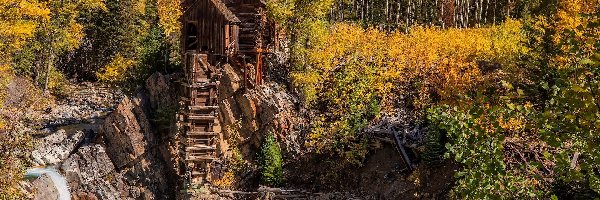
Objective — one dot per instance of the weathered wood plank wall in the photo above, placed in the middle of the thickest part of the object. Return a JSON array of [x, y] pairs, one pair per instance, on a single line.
[[210, 20]]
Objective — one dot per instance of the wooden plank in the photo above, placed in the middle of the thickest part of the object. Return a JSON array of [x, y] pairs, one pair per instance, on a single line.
[[198, 133], [202, 147], [197, 173], [200, 158], [202, 117], [203, 107], [200, 140], [201, 85]]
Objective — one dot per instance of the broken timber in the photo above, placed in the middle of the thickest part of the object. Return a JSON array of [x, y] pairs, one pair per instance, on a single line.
[[399, 146]]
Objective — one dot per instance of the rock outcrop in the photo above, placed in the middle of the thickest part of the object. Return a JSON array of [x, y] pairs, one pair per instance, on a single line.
[[255, 112], [90, 164], [91, 174], [160, 91], [127, 131], [127, 163], [56, 147], [116, 151]]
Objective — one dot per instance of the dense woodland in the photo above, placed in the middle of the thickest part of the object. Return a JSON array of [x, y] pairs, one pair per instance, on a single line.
[[508, 88]]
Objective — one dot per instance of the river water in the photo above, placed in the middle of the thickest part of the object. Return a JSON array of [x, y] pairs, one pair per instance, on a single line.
[[58, 180]]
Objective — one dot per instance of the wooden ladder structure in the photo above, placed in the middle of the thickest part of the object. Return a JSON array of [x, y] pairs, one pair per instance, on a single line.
[[200, 117]]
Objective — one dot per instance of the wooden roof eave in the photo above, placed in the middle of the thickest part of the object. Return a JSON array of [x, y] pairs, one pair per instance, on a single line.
[[229, 16]]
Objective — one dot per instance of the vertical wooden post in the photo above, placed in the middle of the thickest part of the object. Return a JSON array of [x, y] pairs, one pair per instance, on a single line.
[[259, 63], [227, 40]]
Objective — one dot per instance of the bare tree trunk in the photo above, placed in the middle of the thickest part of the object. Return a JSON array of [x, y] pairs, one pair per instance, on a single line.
[[48, 69], [454, 17], [398, 11], [368, 11], [442, 20], [387, 12], [487, 6], [477, 8], [480, 12], [362, 11], [508, 9], [495, 4], [408, 15], [462, 13], [466, 13]]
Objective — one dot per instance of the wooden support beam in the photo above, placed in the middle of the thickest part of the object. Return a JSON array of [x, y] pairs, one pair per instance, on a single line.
[[198, 133], [202, 117], [203, 108]]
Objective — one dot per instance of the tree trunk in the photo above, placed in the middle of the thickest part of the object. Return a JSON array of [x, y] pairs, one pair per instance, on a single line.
[[408, 15], [398, 12], [48, 69], [487, 7]]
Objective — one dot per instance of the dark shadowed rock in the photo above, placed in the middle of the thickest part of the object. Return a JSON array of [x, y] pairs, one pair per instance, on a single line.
[[159, 91]]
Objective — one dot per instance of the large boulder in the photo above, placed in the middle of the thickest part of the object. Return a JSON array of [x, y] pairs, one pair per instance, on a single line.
[[44, 189], [91, 174], [231, 82], [127, 131], [87, 165]]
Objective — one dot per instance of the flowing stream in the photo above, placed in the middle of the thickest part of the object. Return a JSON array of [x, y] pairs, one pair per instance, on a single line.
[[58, 180]]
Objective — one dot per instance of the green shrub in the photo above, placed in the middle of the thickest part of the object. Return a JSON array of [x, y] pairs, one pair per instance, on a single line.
[[433, 154], [476, 137], [271, 162]]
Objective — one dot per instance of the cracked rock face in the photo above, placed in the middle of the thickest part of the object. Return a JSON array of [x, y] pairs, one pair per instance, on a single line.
[[127, 131], [124, 163], [257, 111], [159, 91], [87, 165], [56, 147], [112, 155], [92, 175]]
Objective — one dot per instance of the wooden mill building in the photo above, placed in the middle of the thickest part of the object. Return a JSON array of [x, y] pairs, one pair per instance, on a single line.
[[216, 32], [235, 31]]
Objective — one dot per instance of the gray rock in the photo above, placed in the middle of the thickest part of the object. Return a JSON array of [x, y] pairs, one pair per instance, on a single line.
[[88, 164], [56, 147], [159, 92]]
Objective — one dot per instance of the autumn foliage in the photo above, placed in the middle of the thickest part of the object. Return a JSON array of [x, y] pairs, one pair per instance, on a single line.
[[516, 98], [351, 74]]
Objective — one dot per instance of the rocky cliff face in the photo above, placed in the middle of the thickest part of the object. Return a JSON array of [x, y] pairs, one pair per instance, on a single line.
[[248, 114], [127, 131], [116, 155]]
